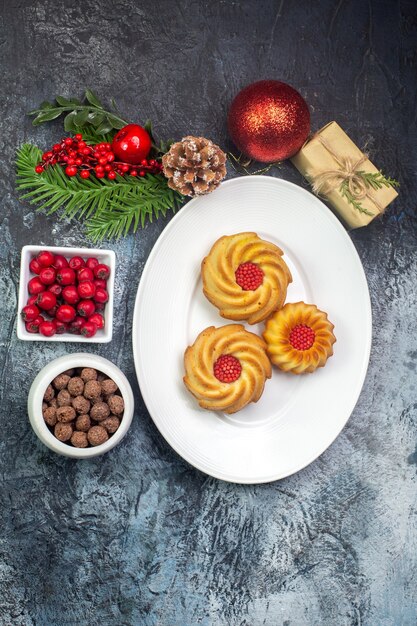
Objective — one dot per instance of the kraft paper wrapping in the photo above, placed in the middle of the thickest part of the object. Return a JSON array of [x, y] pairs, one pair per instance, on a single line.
[[314, 158]]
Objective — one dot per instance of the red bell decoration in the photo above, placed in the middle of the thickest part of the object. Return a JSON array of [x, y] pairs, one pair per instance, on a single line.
[[269, 121]]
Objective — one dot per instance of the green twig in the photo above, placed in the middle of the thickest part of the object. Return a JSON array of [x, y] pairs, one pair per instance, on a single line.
[[372, 180], [78, 114]]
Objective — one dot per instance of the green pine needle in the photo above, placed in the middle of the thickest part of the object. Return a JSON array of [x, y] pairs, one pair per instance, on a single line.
[[91, 136], [374, 180], [112, 208], [377, 180]]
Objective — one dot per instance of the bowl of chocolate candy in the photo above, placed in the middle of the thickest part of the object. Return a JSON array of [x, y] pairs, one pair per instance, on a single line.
[[80, 405]]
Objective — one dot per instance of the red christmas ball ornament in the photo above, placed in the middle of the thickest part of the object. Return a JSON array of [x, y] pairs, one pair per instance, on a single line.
[[131, 144], [269, 121]]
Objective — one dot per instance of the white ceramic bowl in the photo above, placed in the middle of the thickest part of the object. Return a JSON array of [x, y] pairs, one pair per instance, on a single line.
[[104, 256], [45, 377]]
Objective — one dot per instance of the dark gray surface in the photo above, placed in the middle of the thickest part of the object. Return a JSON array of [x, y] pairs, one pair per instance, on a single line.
[[138, 536]]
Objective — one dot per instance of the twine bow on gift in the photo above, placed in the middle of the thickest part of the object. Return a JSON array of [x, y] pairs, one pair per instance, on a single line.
[[330, 179], [354, 184]]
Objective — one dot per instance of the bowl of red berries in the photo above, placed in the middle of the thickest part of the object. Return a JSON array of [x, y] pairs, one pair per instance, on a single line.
[[66, 294]]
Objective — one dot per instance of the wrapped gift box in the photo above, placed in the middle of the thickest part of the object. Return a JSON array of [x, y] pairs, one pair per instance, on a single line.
[[337, 169]]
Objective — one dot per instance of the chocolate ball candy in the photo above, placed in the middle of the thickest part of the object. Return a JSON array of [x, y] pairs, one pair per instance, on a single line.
[[49, 415], [64, 398], [79, 439], [49, 393], [65, 414], [81, 404], [108, 386], [61, 381], [92, 389], [62, 431], [76, 386], [69, 372], [83, 422], [99, 411], [88, 373], [97, 435], [116, 404], [111, 424]]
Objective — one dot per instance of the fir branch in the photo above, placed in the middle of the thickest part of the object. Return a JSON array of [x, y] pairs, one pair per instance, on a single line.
[[91, 136], [117, 219], [113, 206], [344, 191]]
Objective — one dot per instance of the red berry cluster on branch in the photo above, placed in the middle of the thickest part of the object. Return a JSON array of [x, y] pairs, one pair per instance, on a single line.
[[76, 157]]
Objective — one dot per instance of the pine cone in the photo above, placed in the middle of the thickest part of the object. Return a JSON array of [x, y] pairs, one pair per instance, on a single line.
[[194, 166]]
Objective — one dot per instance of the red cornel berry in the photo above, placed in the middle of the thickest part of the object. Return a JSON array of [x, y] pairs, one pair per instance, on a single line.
[[61, 327], [227, 368], [76, 263], [66, 313], [102, 271], [46, 300], [249, 276], [55, 289], [86, 308], [85, 273], [70, 294], [97, 319], [35, 266], [302, 337], [86, 289], [47, 276], [35, 286], [60, 262], [33, 327], [45, 258], [101, 296], [88, 329], [75, 326], [47, 328], [91, 263], [66, 276], [30, 312]]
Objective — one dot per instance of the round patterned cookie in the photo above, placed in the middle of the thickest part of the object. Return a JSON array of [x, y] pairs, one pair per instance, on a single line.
[[245, 277], [299, 338], [226, 368]]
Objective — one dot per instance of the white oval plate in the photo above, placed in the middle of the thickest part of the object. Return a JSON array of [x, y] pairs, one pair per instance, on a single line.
[[297, 417]]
